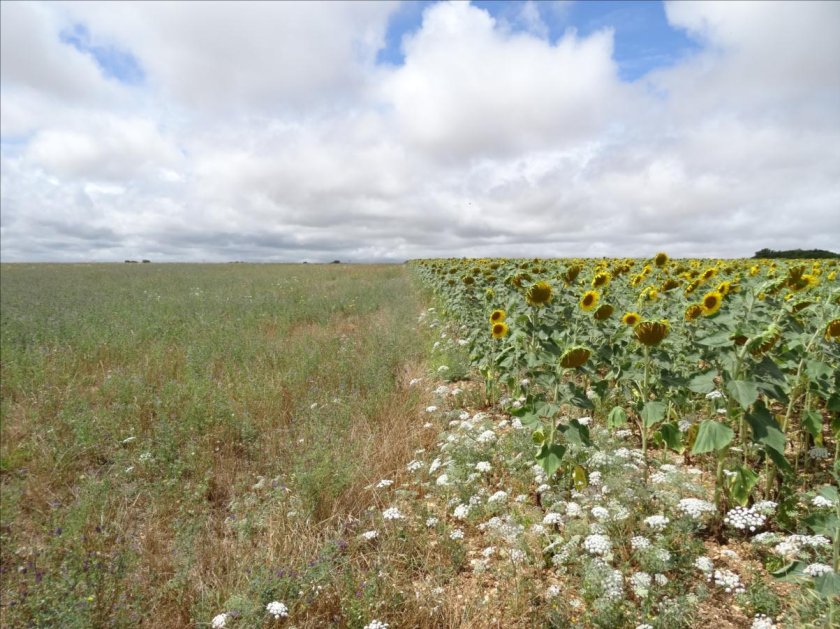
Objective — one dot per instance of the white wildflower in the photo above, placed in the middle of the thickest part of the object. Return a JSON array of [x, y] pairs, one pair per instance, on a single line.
[[392, 513], [597, 544], [483, 466], [219, 621], [456, 534], [370, 535], [657, 522], [816, 569], [385, 482], [277, 609]]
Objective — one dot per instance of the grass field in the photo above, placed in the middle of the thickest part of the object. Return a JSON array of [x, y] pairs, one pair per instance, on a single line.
[[450, 443], [182, 439]]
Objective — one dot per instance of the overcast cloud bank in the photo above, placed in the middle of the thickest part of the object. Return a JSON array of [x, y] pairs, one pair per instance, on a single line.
[[269, 131]]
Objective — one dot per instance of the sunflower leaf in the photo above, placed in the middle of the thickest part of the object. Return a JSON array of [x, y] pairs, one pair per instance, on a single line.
[[712, 436]]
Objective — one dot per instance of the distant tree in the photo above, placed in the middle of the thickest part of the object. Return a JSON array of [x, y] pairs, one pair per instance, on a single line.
[[146, 261], [336, 262], [796, 254]]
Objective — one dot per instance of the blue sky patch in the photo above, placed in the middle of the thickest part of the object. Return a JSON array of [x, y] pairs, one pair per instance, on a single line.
[[643, 38], [114, 62]]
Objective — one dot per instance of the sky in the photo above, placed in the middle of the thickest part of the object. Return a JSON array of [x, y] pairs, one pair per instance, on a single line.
[[380, 132]]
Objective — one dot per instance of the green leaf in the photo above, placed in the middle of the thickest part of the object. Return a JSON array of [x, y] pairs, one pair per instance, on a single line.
[[779, 459], [823, 524], [617, 417], [765, 430], [550, 456], [743, 391], [829, 492], [530, 420], [834, 403], [712, 436], [653, 413], [827, 585], [791, 572], [741, 485], [720, 339], [812, 422], [704, 383], [672, 436], [817, 369], [575, 432]]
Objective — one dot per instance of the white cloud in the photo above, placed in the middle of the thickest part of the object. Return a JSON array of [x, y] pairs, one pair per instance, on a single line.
[[266, 131]]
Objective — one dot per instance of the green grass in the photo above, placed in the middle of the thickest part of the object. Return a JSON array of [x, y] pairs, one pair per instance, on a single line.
[[178, 440]]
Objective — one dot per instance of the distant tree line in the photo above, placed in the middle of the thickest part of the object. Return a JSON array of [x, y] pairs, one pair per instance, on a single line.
[[796, 254]]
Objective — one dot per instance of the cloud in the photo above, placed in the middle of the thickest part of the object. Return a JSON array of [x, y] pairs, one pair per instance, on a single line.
[[267, 131]]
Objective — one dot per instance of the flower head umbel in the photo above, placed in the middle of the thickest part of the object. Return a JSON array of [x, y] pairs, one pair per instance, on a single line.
[[277, 609]]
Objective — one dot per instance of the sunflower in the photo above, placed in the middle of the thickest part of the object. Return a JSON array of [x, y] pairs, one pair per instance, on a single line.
[[651, 332], [497, 316], [661, 259], [832, 330], [709, 273], [711, 303], [693, 311], [631, 318], [601, 279], [539, 294], [468, 280], [575, 357], [589, 300], [724, 287], [604, 312], [571, 274], [499, 330]]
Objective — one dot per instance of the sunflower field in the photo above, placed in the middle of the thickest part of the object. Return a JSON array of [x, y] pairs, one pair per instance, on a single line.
[[728, 367]]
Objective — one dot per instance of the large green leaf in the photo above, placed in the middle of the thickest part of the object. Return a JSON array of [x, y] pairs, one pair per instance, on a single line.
[[720, 339], [550, 457], [744, 391], [575, 432], [672, 436], [617, 417], [765, 430], [827, 585], [812, 422], [823, 524], [817, 369], [779, 459], [704, 383], [653, 413], [741, 485], [712, 436]]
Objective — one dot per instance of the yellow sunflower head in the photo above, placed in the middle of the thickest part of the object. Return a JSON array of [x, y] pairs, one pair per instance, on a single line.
[[693, 311], [724, 287], [631, 318], [497, 316], [711, 303], [709, 273], [499, 330], [589, 300], [604, 312], [575, 357], [832, 330], [571, 274], [601, 279], [651, 332], [661, 259], [539, 294]]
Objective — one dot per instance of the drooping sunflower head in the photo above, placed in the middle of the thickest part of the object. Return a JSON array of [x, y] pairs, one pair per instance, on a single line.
[[709, 273], [601, 279], [468, 280], [693, 311], [575, 357], [571, 274], [711, 303], [832, 330], [497, 316], [765, 341], [589, 300], [661, 259], [724, 287], [631, 318], [499, 330], [604, 312], [651, 332], [539, 294], [670, 284]]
